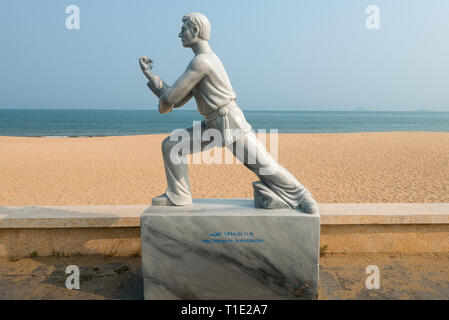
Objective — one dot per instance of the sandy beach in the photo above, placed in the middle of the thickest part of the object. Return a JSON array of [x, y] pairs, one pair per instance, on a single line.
[[339, 167]]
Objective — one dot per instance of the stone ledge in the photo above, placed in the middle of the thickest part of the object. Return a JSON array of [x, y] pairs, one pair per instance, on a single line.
[[384, 213], [106, 216], [115, 229]]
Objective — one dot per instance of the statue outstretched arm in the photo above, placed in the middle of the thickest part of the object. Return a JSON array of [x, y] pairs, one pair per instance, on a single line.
[[184, 100], [158, 86], [155, 83], [180, 92]]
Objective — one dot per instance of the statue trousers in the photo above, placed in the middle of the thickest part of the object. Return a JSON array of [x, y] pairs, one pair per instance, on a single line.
[[247, 149]]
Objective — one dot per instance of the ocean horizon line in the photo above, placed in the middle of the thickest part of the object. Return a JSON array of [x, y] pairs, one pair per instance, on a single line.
[[245, 110], [119, 122], [149, 134]]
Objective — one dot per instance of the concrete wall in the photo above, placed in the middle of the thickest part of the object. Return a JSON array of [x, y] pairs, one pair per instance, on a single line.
[[71, 241]]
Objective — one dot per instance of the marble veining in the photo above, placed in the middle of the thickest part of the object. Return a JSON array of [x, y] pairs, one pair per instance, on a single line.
[[273, 253]]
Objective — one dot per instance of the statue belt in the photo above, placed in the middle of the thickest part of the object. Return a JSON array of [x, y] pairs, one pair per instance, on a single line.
[[221, 112]]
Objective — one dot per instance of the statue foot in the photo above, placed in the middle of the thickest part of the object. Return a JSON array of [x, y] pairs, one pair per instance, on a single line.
[[265, 198], [162, 200], [308, 204]]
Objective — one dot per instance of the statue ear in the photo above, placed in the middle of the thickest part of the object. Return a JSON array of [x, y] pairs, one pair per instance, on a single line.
[[196, 30]]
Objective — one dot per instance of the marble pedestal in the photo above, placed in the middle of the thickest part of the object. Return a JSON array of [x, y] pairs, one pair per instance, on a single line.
[[227, 249]]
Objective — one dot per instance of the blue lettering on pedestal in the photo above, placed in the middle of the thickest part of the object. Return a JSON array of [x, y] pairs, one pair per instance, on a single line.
[[226, 237]]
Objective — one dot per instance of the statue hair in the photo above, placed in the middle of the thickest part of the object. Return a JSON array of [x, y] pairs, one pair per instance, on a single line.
[[199, 20]]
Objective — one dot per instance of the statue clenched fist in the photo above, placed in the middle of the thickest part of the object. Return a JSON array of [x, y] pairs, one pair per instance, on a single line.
[[145, 63]]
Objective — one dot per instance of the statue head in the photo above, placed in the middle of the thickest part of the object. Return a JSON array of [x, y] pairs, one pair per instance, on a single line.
[[195, 28]]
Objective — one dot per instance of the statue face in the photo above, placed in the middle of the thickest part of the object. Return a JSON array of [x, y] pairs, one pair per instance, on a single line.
[[188, 35]]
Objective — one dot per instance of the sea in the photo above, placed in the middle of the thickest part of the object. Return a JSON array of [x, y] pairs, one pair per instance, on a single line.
[[95, 123]]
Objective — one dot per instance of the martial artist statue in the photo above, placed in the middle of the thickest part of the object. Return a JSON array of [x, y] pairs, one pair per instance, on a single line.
[[206, 80]]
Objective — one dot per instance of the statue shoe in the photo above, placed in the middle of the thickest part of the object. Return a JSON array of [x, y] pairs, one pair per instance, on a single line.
[[162, 200], [308, 204]]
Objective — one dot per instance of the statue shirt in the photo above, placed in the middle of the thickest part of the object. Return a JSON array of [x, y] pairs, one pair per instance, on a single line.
[[214, 92]]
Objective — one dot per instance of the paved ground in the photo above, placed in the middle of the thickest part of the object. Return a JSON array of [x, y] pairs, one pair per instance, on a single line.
[[342, 276], [402, 276]]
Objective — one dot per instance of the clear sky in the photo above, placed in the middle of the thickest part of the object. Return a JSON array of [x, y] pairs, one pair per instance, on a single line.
[[289, 55]]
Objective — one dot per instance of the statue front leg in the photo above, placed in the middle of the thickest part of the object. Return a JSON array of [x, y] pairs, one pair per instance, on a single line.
[[178, 187]]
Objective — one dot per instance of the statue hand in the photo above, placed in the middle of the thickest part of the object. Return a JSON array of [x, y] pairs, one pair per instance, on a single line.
[[145, 62]]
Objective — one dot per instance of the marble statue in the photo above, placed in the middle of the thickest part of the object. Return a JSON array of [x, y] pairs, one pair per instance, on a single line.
[[206, 80]]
